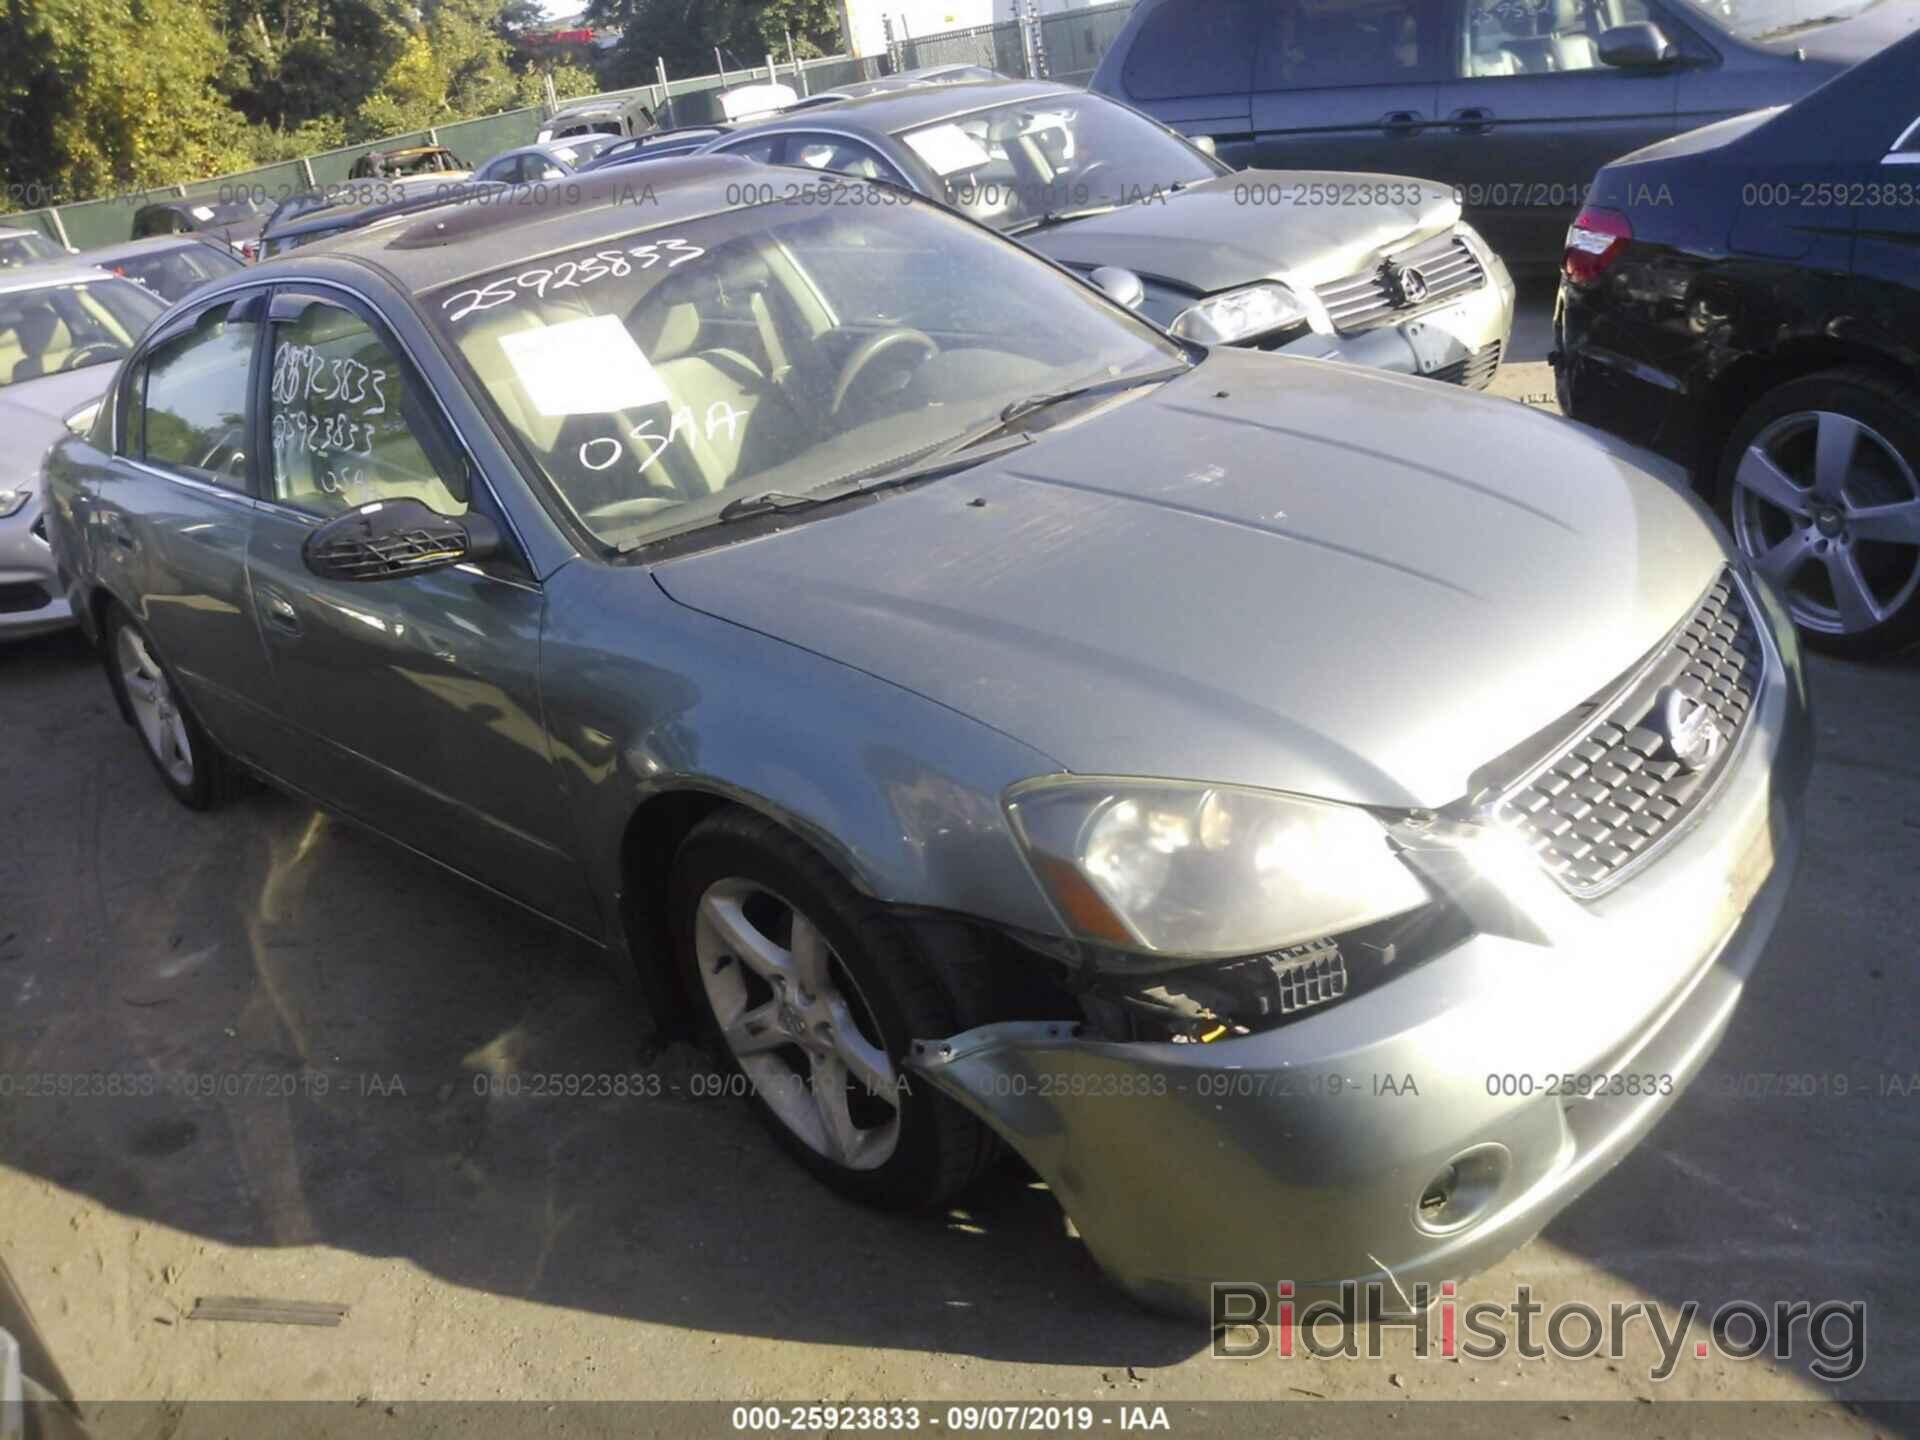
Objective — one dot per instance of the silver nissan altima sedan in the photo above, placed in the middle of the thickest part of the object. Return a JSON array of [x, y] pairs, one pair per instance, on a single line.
[[1319, 819]]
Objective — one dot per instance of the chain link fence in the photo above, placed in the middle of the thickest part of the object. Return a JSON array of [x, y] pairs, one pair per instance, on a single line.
[[1066, 45]]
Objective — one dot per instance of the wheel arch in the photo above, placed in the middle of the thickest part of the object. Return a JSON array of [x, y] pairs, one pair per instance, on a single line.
[[1736, 389], [654, 831]]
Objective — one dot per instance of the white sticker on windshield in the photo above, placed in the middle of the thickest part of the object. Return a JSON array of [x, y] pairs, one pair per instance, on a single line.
[[948, 149], [203, 212], [583, 367]]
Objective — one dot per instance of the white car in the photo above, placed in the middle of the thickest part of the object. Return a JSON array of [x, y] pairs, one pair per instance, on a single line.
[[63, 331]]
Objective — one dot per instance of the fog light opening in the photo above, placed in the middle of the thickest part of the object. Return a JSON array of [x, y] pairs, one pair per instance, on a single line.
[[1463, 1190]]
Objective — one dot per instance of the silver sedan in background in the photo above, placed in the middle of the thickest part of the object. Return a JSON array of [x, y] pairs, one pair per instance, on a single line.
[[1319, 818], [62, 328]]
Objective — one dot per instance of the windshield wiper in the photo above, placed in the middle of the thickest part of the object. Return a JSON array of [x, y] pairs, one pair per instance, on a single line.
[[764, 502], [1046, 399], [1059, 217]]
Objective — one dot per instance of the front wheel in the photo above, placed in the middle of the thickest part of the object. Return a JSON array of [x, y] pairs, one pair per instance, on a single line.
[[1818, 483], [811, 995], [189, 762]]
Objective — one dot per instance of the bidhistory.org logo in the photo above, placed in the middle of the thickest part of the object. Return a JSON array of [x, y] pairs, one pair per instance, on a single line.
[[1252, 1320]]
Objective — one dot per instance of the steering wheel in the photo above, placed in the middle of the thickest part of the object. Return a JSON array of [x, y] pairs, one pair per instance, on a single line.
[[1083, 180], [102, 350], [871, 349]]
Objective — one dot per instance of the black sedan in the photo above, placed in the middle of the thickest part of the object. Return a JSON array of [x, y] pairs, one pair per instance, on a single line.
[[1746, 299]]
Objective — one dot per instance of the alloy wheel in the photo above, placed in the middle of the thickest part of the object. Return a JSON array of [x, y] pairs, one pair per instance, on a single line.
[[155, 707], [796, 1022], [1829, 510]]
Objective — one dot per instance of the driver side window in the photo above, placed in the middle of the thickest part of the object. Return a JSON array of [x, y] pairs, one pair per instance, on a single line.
[[345, 426]]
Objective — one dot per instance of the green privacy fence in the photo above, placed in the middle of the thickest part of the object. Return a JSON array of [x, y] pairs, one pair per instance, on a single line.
[[89, 223]]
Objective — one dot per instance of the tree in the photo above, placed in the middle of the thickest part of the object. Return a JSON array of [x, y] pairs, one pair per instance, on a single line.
[[102, 95]]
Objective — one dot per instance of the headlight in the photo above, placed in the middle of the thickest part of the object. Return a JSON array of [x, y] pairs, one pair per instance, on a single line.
[[14, 500], [1203, 871], [1240, 315]]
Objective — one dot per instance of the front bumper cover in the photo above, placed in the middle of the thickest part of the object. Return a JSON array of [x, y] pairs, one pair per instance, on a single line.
[[1302, 1154]]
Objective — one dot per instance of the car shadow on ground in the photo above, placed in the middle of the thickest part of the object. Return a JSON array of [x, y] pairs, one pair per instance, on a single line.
[[344, 1046]]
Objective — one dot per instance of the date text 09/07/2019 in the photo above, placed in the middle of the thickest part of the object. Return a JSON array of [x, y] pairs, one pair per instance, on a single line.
[[960, 1419]]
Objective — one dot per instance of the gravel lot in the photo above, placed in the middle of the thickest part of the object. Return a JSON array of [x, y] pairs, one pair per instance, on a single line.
[[570, 1248]]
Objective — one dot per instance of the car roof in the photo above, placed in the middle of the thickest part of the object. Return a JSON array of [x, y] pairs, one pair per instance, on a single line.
[[49, 273], [891, 111], [460, 238]]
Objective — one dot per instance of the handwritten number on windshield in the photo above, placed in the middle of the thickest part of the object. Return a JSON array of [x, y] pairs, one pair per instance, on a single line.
[[569, 275]]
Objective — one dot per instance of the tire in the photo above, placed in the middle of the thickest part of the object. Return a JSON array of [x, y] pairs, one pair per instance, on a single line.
[[822, 955], [1841, 541], [190, 765]]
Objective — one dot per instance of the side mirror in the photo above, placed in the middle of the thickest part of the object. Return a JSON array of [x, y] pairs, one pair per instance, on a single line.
[[1121, 285], [385, 539], [1205, 142], [1636, 46]]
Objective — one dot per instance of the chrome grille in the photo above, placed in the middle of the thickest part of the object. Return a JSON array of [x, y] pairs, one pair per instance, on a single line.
[[1474, 370], [1610, 798], [1359, 302]]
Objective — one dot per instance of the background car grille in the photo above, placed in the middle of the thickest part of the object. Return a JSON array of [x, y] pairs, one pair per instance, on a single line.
[[1362, 301], [1475, 371], [1616, 794], [21, 596]]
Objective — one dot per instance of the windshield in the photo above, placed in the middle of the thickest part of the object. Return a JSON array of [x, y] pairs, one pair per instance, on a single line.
[[1765, 19], [69, 327], [1016, 163], [25, 249], [654, 377]]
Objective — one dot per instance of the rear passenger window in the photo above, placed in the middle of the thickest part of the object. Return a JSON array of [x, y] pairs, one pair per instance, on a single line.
[[345, 427], [1192, 47], [193, 415], [1336, 44]]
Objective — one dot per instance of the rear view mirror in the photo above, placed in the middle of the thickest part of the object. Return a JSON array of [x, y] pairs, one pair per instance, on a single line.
[[1121, 285], [1636, 46], [385, 539]]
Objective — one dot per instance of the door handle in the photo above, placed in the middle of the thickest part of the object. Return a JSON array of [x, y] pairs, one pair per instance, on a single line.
[[1402, 122], [1473, 120], [281, 614]]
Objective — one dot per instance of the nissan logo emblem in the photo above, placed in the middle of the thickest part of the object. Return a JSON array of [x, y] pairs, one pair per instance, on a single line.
[[1690, 728]]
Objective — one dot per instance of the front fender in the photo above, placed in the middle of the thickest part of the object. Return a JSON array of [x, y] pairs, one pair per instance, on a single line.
[[644, 696]]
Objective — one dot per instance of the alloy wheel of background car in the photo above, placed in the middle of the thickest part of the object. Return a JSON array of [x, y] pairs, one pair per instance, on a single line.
[[812, 992], [189, 762], [797, 1023], [1823, 500]]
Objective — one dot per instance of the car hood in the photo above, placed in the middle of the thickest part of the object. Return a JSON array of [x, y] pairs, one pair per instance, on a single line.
[[1210, 236], [1284, 573], [33, 414]]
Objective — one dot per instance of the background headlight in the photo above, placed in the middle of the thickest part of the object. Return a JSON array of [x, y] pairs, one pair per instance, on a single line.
[[1240, 315], [1204, 871], [12, 500]]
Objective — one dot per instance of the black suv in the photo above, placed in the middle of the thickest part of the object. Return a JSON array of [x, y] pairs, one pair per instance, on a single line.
[[1514, 102], [1746, 299]]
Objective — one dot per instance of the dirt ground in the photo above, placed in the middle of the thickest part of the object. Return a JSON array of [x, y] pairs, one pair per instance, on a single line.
[[346, 1005]]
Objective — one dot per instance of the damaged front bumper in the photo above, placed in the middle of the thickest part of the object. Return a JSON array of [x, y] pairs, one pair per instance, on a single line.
[[1461, 342], [1420, 1131]]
